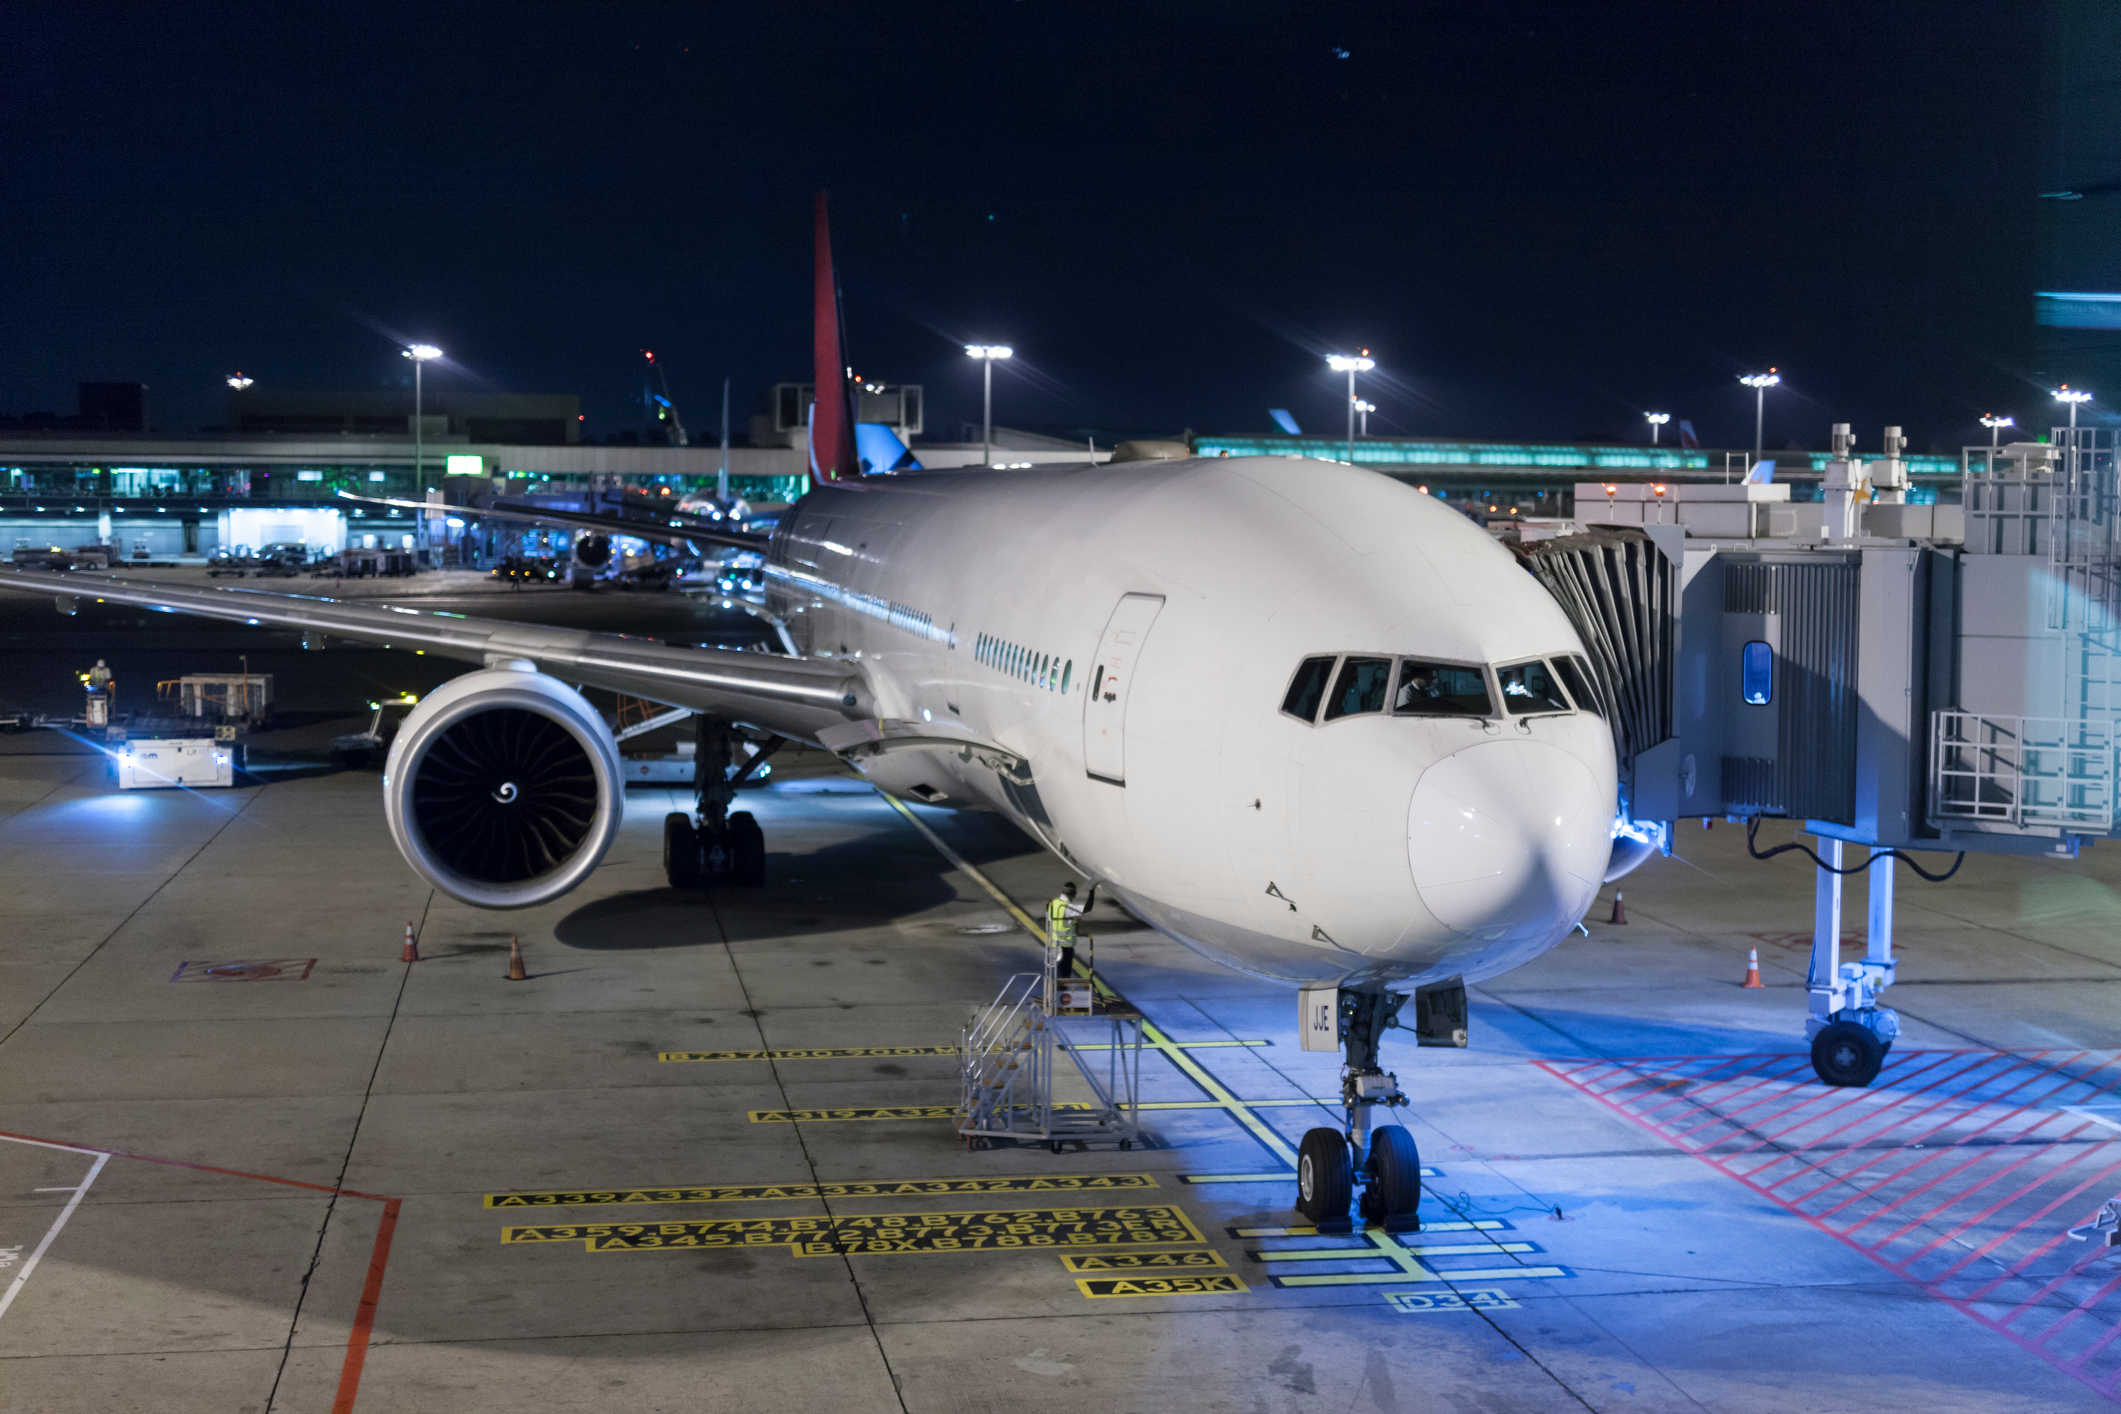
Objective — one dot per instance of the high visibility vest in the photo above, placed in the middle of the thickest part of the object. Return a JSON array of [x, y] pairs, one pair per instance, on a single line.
[[1060, 923]]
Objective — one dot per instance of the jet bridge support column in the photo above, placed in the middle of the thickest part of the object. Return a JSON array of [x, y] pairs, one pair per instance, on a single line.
[[1850, 1033]]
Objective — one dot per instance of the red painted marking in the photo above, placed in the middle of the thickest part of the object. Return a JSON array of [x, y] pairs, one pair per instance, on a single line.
[[1774, 1073], [1994, 1208], [365, 1316], [1856, 1099], [371, 1290], [1935, 1129], [1903, 1124]]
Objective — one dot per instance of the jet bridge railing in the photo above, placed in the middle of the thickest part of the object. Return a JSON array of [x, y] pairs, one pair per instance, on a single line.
[[2024, 773]]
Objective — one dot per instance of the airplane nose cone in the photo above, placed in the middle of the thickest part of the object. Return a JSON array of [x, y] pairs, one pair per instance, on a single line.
[[1509, 838]]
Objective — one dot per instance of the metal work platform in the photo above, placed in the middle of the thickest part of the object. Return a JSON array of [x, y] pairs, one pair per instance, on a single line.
[[1009, 1053]]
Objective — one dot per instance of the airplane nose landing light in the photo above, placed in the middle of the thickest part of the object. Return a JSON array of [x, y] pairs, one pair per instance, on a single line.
[[1508, 838]]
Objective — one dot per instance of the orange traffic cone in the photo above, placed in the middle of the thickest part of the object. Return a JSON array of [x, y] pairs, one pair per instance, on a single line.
[[1752, 968], [1620, 908], [515, 961], [411, 952]]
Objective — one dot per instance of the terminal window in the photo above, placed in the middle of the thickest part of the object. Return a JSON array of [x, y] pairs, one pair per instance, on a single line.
[[1758, 673]]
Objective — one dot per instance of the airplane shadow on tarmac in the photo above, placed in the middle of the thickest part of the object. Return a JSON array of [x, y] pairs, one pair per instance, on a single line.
[[835, 889]]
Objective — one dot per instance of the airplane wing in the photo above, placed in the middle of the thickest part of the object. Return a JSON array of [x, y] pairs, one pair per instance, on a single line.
[[793, 697], [686, 532]]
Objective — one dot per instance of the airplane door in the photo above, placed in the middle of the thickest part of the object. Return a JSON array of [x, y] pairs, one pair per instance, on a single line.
[[1111, 679]]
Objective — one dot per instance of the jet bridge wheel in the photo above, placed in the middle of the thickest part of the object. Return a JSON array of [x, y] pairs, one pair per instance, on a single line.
[[1846, 1053], [1393, 1194], [1325, 1181], [681, 851]]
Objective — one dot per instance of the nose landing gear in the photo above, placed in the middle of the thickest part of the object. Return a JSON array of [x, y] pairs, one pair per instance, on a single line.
[[1385, 1157], [716, 845]]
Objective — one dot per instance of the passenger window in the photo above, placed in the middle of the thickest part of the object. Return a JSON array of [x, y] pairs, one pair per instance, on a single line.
[[1440, 690], [1359, 688], [1530, 687], [1759, 673], [1576, 677], [1308, 689]]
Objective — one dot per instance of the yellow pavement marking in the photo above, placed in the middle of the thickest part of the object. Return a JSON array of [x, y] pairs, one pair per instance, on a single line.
[[1437, 1249], [956, 1230], [889, 1052], [877, 1112], [879, 1188], [1212, 1284], [1152, 1034], [1142, 1261], [1426, 1172], [1306, 1230], [836, 1053]]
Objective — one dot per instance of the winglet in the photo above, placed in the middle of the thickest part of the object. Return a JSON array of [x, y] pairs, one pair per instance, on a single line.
[[832, 450]]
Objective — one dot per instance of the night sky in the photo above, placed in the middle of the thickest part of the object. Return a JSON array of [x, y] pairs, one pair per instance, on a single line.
[[1541, 218]]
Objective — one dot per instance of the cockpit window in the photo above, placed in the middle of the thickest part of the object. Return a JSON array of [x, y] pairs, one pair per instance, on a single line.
[[1576, 677], [1440, 690], [1308, 689], [1359, 688], [1530, 687]]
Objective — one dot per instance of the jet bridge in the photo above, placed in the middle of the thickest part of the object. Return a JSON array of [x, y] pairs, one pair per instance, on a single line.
[[1899, 678]]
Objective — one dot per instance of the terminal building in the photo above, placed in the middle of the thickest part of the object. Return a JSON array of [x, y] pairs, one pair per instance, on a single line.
[[277, 473]]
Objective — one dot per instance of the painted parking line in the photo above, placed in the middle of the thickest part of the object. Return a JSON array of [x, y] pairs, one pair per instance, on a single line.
[[878, 1188], [360, 1332], [1405, 1254], [1080, 1263], [1959, 1171], [1426, 1172], [893, 1234], [896, 1052], [66, 1211], [854, 1113], [1421, 1303], [1211, 1284]]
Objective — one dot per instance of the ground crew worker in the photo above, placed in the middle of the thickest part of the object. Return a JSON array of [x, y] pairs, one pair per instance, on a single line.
[[1061, 914], [99, 677]]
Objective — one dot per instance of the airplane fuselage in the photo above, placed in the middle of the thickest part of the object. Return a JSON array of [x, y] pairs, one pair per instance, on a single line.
[[1133, 633]]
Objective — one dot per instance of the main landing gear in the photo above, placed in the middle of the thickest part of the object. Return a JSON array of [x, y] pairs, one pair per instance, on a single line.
[[714, 844], [1329, 1162]]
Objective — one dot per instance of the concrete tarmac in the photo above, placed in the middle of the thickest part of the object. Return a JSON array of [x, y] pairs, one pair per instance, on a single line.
[[250, 1160]]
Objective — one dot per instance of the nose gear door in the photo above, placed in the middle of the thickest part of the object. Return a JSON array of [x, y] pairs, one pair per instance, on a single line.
[[1111, 679]]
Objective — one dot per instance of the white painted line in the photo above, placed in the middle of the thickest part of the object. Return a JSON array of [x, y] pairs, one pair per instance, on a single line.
[[51, 1233], [2108, 1114]]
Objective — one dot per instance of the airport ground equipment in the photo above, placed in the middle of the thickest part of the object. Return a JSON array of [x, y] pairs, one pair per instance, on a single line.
[[192, 762], [245, 698], [1008, 1054], [1915, 680]]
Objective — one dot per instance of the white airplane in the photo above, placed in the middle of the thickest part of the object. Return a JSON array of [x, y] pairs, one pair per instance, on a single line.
[[1305, 720]]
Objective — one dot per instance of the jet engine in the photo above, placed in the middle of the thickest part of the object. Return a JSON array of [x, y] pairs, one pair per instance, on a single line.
[[592, 551], [503, 788]]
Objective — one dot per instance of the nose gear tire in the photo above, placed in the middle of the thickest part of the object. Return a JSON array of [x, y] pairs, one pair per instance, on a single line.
[[1325, 1181], [1844, 1053], [1393, 1194], [747, 845]]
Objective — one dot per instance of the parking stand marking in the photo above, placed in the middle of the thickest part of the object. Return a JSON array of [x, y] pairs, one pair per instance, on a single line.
[[879, 1188], [960, 1230], [1211, 1284], [1141, 1261]]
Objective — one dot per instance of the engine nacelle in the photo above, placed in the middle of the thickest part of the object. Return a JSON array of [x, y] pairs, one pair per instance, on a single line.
[[592, 551], [503, 788]]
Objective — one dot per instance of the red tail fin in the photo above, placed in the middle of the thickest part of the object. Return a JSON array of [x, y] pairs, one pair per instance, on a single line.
[[832, 454]]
